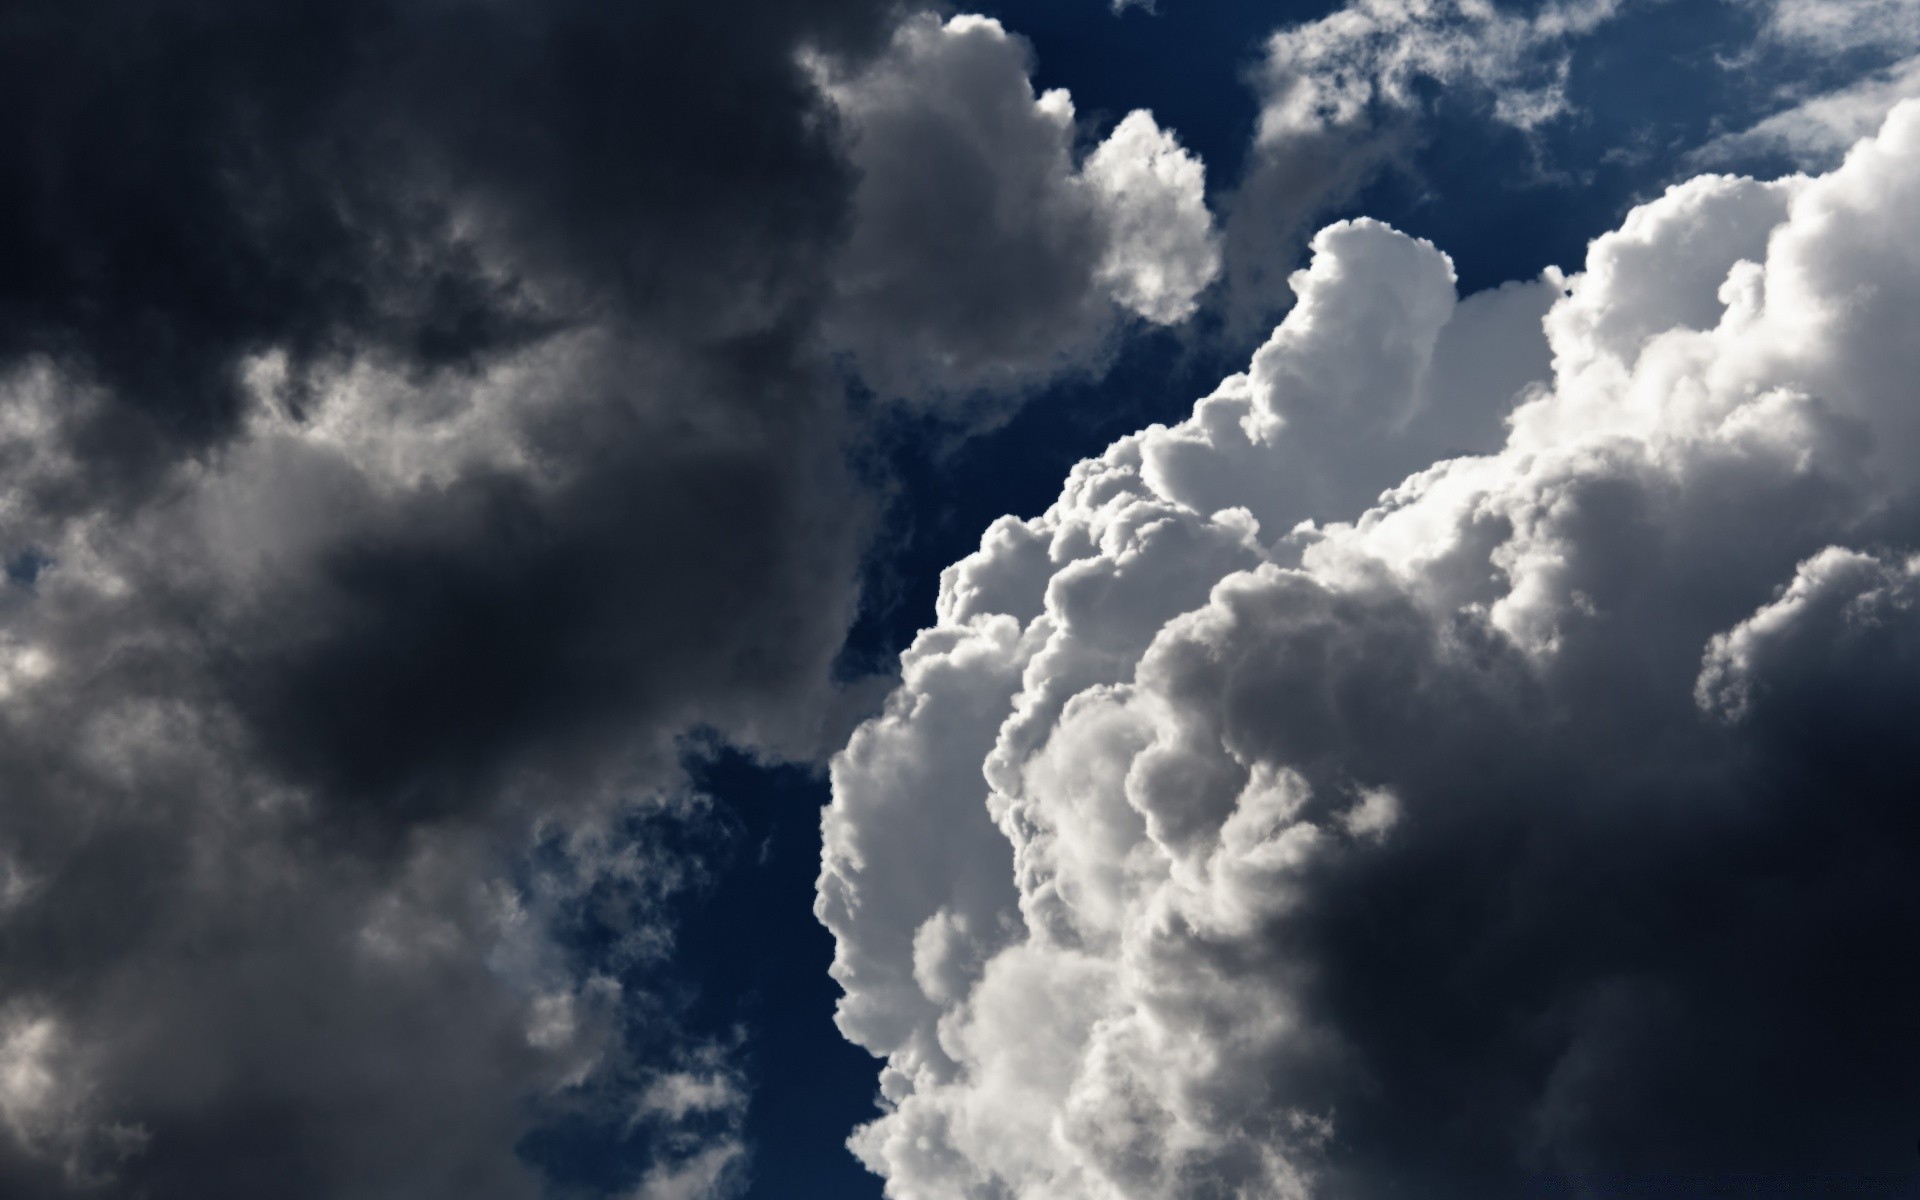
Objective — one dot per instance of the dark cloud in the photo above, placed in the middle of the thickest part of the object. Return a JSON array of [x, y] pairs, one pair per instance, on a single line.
[[415, 419], [186, 184]]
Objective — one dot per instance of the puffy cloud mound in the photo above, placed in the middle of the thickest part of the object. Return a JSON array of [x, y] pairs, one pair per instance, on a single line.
[[981, 254], [1346, 792]]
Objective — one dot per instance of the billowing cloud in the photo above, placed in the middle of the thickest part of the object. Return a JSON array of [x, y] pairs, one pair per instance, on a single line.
[[984, 252], [1303, 806]]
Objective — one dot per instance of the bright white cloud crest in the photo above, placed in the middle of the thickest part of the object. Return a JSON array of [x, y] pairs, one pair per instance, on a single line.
[[1200, 848]]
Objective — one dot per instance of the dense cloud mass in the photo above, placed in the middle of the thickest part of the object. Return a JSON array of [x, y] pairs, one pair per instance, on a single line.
[[414, 420], [409, 426], [983, 256], [1449, 755]]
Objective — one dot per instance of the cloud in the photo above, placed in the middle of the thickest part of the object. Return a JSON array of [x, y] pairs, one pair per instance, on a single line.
[[1160, 250], [414, 422], [1271, 817], [1838, 25], [1816, 132], [1345, 68], [1341, 98], [419, 425], [1843, 605], [1852, 63], [706, 1101], [984, 252]]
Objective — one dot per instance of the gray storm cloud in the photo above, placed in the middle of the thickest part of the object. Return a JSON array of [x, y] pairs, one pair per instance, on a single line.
[[1470, 745]]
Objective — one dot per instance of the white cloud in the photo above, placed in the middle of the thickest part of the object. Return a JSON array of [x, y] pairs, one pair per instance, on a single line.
[[1150, 195], [1494, 825], [983, 253]]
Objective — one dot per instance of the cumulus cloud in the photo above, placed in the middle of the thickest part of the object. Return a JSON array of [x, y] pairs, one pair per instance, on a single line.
[[1302, 806], [1340, 99], [985, 252]]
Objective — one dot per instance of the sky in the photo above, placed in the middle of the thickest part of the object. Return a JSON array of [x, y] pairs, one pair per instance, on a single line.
[[1058, 600]]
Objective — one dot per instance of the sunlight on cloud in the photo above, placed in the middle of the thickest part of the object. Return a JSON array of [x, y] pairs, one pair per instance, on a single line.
[[1288, 781]]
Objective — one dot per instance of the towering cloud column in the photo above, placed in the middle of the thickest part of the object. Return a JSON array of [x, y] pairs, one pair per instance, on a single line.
[[1470, 745]]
